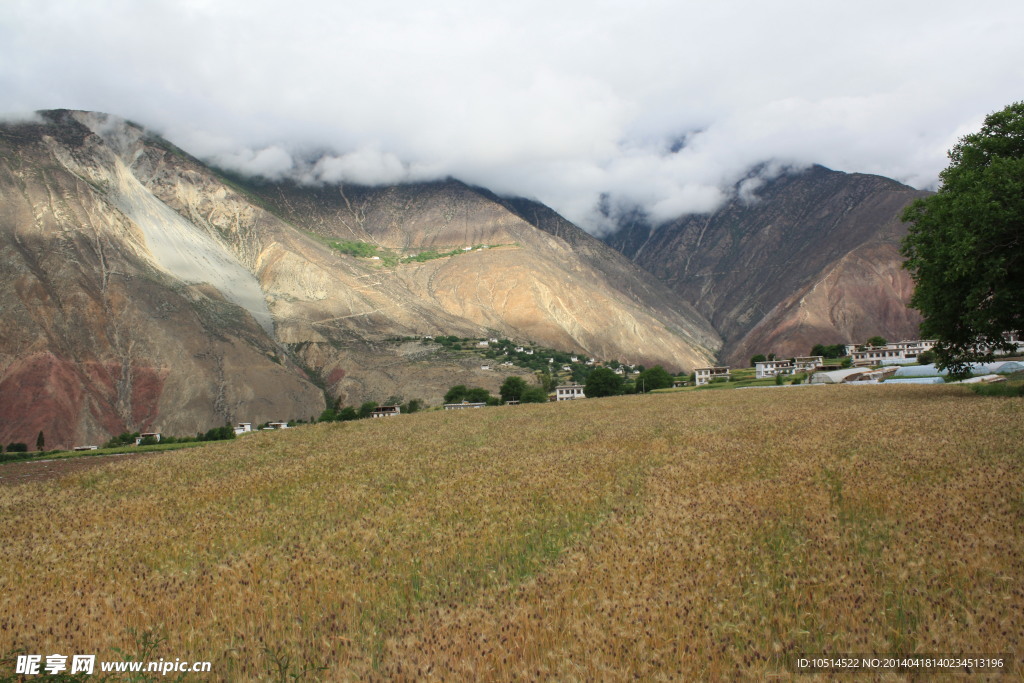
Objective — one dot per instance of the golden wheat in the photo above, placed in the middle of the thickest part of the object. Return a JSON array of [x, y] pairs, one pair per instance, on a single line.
[[695, 535]]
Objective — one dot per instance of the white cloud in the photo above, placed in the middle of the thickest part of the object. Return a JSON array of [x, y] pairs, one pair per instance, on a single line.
[[565, 102]]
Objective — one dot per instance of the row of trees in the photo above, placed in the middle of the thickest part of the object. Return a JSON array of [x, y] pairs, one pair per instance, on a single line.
[[337, 413]]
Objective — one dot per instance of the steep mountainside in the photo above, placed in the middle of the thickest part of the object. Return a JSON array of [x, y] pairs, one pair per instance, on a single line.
[[142, 291], [541, 280], [814, 258]]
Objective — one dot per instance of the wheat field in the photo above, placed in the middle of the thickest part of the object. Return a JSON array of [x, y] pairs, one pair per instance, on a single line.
[[700, 535]]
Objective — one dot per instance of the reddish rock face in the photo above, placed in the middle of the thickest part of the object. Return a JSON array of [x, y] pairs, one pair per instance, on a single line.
[[813, 260]]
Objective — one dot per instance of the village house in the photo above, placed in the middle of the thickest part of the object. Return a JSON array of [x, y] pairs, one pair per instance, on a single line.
[[242, 428], [569, 392], [766, 369], [386, 411], [464, 404], [704, 376], [893, 353], [277, 425], [146, 435], [808, 363]]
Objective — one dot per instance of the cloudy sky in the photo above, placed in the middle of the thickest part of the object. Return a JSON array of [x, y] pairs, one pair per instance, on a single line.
[[661, 104]]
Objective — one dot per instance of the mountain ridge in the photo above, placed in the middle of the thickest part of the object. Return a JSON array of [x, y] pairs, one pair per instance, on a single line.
[[814, 258], [108, 333]]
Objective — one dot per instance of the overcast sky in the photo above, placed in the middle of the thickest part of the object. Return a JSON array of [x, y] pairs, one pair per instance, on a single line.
[[662, 104]]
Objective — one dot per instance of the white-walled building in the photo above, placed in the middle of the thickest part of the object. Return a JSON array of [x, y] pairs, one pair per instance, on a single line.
[[569, 392], [808, 363], [893, 353], [703, 376], [766, 369]]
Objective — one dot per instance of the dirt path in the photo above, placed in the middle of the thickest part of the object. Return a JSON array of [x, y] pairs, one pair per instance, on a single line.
[[14, 473]]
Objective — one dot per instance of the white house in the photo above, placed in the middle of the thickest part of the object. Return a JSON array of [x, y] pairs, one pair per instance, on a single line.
[[766, 369], [569, 392], [277, 425], [808, 363], [146, 435], [893, 353], [703, 376], [386, 411], [464, 404]]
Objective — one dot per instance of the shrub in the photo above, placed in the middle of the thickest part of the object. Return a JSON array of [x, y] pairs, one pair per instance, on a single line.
[[998, 389]]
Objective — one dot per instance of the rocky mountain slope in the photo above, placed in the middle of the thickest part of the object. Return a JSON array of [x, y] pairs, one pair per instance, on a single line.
[[141, 290], [812, 258]]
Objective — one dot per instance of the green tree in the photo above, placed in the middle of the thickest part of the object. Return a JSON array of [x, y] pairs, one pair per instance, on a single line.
[[534, 394], [760, 358], [348, 414], [366, 409], [40, 442], [512, 388], [602, 382], [655, 378], [478, 395], [877, 341], [456, 394], [965, 245]]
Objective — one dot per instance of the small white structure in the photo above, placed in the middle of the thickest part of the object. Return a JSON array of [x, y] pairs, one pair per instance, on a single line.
[[485, 366], [569, 392], [808, 363], [147, 435], [766, 369], [519, 349], [85, 448], [277, 425], [893, 353], [464, 404], [482, 344], [574, 359], [386, 411], [704, 376]]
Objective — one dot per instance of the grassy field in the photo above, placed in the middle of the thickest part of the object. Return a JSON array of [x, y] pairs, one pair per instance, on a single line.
[[692, 535]]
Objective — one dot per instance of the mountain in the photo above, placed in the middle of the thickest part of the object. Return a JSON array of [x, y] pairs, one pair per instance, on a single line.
[[142, 290], [812, 258]]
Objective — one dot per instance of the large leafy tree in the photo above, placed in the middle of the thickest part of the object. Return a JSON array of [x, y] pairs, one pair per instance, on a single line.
[[512, 388], [965, 247], [654, 378], [602, 382]]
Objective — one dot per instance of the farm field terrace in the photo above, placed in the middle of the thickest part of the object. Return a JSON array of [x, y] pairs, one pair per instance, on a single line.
[[688, 535]]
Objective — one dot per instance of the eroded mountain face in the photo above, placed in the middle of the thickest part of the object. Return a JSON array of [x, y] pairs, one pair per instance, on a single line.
[[814, 258], [142, 291]]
